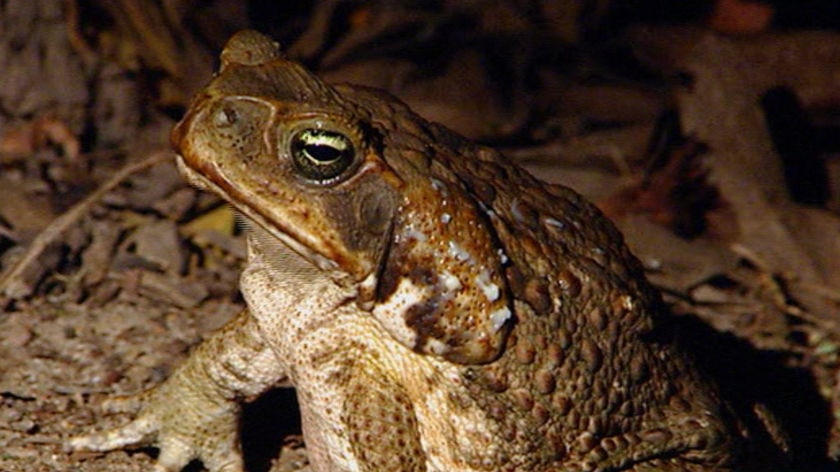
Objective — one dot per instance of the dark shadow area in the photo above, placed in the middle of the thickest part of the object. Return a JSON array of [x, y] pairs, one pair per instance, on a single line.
[[748, 377], [265, 422], [795, 139]]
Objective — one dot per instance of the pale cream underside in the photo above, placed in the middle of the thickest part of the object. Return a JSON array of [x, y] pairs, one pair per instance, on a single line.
[[309, 321]]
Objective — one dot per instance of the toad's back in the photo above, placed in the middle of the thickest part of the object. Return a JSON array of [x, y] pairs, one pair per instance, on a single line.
[[587, 378]]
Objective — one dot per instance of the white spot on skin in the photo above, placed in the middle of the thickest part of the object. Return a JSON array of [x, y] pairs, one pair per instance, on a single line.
[[412, 233], [653, 263], [503, 258], [445, 218], [436, 347], [440, 187], [459, 253], [368, 286], [450, 282], [516, 211], [554, 222], [491, 290], [499, 317]]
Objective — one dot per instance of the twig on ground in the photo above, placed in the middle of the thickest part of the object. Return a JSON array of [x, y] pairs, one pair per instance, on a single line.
[[12, 285]]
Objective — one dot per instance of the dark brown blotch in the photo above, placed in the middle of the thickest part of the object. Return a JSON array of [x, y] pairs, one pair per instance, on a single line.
[[639, 370], [569, 283], [545, 381], [523, 399], [524, 214], [598, 319], [525, 351], [592, 355], [536, 294], [562, 404]]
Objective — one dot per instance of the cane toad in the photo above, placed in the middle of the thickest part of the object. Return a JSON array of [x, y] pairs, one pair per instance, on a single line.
[[435, 306]]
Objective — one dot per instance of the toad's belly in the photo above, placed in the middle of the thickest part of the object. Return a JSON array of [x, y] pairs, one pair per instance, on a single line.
[[377, 406]]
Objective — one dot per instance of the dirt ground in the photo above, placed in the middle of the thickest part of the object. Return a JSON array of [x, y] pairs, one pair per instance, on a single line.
[[709, 136]]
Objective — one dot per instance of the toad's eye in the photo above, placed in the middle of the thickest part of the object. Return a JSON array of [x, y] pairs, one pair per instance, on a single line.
[[322, 155]]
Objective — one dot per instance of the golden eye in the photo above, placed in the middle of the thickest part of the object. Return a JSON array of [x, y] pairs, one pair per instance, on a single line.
[[322, 155]]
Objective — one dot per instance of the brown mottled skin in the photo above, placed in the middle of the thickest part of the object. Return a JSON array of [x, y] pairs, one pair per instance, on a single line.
[[436, 307]]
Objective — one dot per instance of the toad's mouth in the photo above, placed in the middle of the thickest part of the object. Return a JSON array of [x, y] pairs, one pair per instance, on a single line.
[[288, 238]]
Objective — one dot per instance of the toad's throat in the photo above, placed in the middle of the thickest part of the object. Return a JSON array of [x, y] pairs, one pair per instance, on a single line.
[[276, 229]]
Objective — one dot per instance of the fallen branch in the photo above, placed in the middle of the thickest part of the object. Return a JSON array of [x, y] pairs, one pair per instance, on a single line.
[[12, 285]]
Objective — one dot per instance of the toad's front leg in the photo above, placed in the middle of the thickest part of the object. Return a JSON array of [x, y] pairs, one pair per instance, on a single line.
[[195, 413]]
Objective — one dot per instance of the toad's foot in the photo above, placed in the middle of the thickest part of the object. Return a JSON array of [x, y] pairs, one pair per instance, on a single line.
[[184, 423], [195, 413]]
